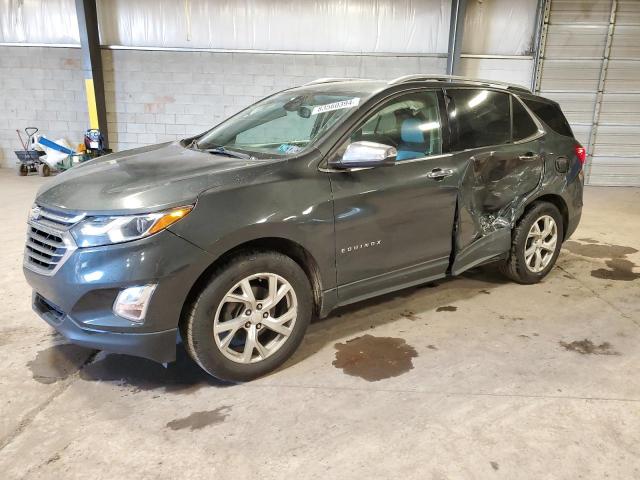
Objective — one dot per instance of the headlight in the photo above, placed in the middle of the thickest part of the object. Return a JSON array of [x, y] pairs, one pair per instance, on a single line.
[[105, 230]]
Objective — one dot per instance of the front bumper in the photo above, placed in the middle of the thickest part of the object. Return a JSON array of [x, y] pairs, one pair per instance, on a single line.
[[158, 346], [78, 299]]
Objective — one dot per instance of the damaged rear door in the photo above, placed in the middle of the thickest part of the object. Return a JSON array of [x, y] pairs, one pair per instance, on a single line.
[[496, 139]]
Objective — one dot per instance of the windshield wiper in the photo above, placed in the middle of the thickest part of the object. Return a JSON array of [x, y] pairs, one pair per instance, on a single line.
[[220, 150]]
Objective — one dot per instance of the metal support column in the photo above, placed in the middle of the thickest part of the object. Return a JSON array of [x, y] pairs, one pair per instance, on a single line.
[[456, 32], [601, 82], [540, 42], [92, 65]]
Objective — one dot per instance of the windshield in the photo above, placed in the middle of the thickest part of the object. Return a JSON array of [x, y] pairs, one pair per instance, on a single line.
[[288, 122]]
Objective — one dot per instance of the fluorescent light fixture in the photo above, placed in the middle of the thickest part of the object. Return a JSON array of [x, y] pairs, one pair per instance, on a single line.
[[425, 127], [478, 99]]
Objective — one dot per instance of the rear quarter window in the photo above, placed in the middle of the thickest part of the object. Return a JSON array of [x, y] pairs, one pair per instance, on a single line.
[[523, 125], [550, 114]]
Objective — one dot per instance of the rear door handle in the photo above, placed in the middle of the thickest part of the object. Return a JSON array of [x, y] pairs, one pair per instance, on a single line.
[[440, 173], [527, 156]]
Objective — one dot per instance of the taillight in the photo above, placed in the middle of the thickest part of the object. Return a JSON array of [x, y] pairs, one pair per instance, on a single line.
[[581, 153]]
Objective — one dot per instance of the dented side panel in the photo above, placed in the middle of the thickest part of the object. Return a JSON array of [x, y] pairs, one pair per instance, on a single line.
[[493, 190]]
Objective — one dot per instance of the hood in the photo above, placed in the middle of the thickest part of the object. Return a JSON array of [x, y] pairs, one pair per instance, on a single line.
[[142, 179]]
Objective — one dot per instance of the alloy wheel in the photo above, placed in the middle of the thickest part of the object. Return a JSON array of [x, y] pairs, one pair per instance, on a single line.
[[541, 243], [255, 318]]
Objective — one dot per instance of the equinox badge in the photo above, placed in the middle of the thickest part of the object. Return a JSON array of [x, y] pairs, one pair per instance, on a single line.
[[353, 248]]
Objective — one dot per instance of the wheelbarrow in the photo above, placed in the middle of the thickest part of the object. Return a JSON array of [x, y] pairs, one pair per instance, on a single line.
[[30, 158]]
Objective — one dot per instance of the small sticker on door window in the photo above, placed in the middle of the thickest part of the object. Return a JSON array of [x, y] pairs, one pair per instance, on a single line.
[[286, 148], [352, 102]]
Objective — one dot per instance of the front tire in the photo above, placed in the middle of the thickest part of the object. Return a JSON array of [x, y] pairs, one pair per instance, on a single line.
[[249, 318], [535, 246]]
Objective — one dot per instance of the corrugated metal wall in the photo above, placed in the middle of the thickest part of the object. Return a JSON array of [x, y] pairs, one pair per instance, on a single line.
[[616, 150], [498, 41], [591, 65]]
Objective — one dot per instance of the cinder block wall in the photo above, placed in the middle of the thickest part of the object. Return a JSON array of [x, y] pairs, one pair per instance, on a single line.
[[40, 87], [157, 96]]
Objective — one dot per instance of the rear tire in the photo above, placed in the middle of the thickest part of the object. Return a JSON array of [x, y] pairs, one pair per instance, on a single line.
[[23, 170], [535, 246], [249, 318]]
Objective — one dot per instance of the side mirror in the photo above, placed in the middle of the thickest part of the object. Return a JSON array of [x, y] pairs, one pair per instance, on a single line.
[[366, 155]]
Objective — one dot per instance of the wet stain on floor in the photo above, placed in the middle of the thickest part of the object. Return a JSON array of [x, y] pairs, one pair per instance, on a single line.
[[200, 420], [587, 347], [599, 250], [588, 240], [181, 376], [58, 362], [619, 269], [447, 308], [410, 315], [374, 358], [495, 466]]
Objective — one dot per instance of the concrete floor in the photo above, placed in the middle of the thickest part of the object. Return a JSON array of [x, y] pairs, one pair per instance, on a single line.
[[475, 378]]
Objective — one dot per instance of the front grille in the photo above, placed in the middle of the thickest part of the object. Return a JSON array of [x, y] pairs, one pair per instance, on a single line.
[[44, 249], [48, 241]]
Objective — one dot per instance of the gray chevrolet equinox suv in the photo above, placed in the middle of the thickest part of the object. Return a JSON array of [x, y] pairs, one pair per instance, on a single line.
[[312, 198]]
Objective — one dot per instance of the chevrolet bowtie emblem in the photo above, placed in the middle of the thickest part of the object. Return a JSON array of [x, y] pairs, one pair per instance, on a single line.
[[34, 214]]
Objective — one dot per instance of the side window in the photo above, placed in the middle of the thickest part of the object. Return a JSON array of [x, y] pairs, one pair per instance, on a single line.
[[523, 125], [410, 123], [478, 118], [551, 115]]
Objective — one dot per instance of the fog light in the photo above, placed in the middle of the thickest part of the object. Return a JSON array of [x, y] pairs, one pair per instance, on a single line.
[[132, 303]]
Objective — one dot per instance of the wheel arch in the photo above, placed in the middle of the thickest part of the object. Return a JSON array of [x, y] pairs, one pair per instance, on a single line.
[[558, 202], [285, 246]]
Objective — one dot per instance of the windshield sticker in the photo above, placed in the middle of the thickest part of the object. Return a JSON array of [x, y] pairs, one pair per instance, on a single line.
[[286, 148], [352, 102]]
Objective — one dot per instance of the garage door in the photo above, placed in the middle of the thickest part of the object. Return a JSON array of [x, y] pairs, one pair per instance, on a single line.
[[591, 66]]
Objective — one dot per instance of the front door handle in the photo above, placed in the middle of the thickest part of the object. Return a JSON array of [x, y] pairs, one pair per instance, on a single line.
[[440, 173]]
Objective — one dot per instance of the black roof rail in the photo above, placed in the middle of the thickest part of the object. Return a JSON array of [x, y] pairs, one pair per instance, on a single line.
[[457, 78]]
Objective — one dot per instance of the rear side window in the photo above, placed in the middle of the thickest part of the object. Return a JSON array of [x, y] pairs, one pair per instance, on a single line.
[[478, 118], [523, 125], [550, 114]]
